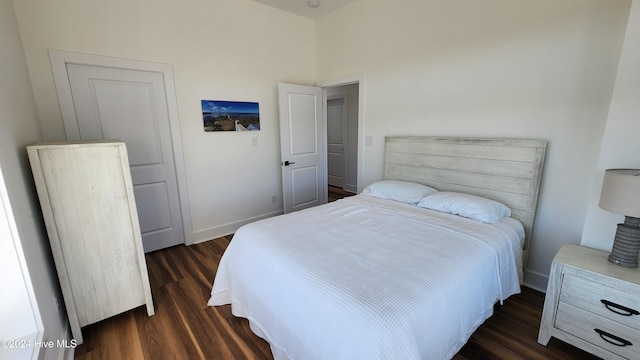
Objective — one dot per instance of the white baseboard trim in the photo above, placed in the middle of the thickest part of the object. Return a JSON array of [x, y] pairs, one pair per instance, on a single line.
[[59, 346], [70, 354], [536, 281], [351, 188], [226, 229]]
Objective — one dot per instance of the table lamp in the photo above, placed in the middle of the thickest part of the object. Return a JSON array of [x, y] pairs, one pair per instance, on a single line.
[[621, 194]]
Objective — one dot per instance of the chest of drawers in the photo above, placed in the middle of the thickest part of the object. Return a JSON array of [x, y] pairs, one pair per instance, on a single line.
[[89, 209], [592, 304]]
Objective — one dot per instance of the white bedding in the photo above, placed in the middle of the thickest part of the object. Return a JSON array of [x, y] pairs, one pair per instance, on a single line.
[[368, 278]]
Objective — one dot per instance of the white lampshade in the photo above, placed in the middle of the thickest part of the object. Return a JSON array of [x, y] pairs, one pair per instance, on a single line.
[[621, 192]]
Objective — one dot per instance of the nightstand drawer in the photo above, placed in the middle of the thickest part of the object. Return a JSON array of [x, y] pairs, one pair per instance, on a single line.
[[600, 299], [604, 333]]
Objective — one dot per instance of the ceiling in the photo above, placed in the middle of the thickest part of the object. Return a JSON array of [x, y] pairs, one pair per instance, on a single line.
[[301, 7]]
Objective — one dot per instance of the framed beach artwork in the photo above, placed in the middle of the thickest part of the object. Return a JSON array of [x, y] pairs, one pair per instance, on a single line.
[[230, 115]]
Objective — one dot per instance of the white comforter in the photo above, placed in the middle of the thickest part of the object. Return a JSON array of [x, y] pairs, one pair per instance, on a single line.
[[367, 278]]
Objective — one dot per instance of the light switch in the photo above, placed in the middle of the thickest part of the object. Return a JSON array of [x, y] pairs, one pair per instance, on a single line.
[[254, 141], [368, 140]]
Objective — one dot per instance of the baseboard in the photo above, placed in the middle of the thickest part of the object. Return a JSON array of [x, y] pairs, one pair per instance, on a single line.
[[58, 346], [69, 354], [226, 229], [351, 188], [536, 281]]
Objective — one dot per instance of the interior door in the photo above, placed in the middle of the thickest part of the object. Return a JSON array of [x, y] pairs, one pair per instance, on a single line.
[[302, 147], [337, 141], [131, 105]]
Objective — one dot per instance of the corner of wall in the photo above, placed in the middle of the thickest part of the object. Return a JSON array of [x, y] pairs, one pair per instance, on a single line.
[[536, 280]]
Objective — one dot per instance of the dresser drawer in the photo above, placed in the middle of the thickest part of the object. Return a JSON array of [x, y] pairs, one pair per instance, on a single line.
[[602, 332], [600, 299]]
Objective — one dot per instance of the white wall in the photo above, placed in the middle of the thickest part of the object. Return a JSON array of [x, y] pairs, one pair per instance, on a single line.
[[20, 127], [527, 69], [621, 143], [220, 50]]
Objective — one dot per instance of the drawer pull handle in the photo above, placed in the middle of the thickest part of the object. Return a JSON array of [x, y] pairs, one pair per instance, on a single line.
[[612, 306], [618, 341]]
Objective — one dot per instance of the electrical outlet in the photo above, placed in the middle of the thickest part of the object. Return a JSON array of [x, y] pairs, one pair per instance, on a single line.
[[274, 199], [254, 141], [55, 302]]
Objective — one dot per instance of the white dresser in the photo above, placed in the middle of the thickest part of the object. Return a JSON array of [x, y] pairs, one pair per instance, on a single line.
[[592, 304], [89, 209]]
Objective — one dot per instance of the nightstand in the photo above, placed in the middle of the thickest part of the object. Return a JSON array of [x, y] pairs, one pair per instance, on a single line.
[[592, 304]]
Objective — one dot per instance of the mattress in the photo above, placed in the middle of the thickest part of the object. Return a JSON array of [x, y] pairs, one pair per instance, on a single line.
[[368, 278]]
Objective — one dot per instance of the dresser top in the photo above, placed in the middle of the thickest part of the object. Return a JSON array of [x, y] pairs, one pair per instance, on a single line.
[[595, 261], [58, 144]]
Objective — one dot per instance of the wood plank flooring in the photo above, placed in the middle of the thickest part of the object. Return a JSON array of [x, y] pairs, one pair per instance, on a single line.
[[336, 193], [184, 327]]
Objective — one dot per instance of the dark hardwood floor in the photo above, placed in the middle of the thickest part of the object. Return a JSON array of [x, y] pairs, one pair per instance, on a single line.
[[336, 193], [184, 327]]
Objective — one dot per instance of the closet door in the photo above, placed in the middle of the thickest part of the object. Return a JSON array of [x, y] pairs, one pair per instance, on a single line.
[[131, 105]]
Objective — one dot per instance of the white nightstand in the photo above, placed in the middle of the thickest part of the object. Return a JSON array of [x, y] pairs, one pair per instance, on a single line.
[[592, 304]]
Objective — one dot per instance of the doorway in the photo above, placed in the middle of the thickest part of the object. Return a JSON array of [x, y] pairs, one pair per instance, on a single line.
[[303, 139], [342, 137]]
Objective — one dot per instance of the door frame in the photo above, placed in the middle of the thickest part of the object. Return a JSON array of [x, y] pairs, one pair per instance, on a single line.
[[359, 79], [59, 60], [16, 270]]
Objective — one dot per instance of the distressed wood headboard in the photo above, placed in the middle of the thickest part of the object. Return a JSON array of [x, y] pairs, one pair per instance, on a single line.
[[505, 170]]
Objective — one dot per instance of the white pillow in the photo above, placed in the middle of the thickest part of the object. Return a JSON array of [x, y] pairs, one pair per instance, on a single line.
[[469, 206], [403, 191]]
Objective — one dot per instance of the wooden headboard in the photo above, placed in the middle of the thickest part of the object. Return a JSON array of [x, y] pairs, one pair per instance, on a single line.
[[505, 170]]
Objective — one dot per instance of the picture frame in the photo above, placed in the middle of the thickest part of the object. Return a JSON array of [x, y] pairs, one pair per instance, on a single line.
[[219, 115]]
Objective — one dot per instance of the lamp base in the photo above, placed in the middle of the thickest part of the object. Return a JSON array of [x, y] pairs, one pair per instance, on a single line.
[[626, 244]]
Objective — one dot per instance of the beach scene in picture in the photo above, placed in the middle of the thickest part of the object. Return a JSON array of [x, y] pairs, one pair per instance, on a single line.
[[230, 115]]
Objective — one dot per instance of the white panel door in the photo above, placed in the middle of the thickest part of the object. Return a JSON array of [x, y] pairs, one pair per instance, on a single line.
[[302, 139], [337, 141], [131, 105]]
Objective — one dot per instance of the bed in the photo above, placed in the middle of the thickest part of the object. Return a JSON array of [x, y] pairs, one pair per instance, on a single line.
[[401, 271]]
